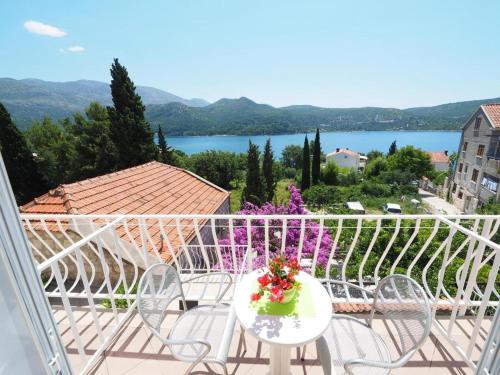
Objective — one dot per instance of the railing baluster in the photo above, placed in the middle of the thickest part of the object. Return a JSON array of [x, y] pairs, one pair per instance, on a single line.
[[367, 254], [216, 243], [334, 249], [484, 303], [266, 238], [233, 249], [283, 236], [69, 311], [317, 247], [406, 247], [184, 248], [249, 250], [424, 248], [478, 256], [89, 296], [200, 243], [348, 256], [387, 248], [301, 238]]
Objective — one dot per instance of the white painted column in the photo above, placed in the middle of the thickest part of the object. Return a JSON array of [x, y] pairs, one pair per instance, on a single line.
[[279, 360]]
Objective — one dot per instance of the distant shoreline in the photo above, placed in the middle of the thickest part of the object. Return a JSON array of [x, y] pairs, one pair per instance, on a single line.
[[312, 131]]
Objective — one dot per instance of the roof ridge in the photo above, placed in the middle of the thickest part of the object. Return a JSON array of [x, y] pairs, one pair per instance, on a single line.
[[115, 173]]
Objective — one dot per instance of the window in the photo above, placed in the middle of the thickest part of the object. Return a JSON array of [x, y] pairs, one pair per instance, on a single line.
[[466, 168], [465, 146], [477, 124], [460, 195], [454, 188], [475, 173], [460, 167], [490, 183], [480, 150]]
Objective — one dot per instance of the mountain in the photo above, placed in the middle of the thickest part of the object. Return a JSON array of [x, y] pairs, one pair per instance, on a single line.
[[245, 117], [32, 99]]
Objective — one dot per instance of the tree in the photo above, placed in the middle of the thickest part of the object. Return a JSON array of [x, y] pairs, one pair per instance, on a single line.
[[25, 178], [329, 174], [306, 167], [218, 167], [316, 160], [130, 131], [374, 154], [412, 160], [54, 145], [268, 171], [291, 157], [254, 189], [392, 149], [166, 152], [97, 154], [376, 166]]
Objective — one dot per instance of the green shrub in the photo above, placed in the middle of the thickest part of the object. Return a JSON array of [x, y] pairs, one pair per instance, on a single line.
[[375, 189], [329, 173]]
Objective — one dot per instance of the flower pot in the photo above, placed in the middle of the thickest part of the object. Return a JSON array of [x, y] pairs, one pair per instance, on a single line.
[[288, 295]]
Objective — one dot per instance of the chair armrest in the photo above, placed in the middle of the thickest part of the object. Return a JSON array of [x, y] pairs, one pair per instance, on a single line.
[[228, 281], [362, 362]]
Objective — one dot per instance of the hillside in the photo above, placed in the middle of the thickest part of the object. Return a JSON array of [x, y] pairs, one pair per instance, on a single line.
[[32, 99], [243, 116]]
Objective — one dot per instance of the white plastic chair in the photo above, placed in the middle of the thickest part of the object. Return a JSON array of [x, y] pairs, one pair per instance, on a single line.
[[200, 335], [350, 346]]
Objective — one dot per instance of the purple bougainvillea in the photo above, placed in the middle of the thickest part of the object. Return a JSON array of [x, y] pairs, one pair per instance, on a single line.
[[293, 229]]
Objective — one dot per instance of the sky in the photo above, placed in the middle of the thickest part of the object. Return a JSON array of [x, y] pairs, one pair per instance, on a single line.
[[282, 52]]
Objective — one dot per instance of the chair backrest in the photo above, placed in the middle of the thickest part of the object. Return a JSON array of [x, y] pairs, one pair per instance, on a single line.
[[159, 286], [405, 308]]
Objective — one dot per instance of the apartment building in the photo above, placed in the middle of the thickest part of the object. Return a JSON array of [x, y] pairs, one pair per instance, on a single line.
[[477, 171]]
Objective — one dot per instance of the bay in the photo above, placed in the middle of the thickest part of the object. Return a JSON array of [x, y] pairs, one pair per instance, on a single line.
[[357, 141]]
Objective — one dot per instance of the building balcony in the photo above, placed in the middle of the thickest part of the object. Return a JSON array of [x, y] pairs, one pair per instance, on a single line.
[[90, 267]]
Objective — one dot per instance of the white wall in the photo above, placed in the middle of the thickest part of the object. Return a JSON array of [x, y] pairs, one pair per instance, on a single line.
[[344, 160]]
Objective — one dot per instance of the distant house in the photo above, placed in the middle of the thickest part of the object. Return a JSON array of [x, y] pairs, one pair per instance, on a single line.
[[477, 171], [346, 158], [440, 160], [151, 188]]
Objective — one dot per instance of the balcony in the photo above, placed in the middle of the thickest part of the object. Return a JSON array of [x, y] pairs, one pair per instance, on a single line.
[[90, 266]]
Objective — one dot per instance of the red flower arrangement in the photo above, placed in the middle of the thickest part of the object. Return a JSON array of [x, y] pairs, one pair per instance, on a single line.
[[279, 280]]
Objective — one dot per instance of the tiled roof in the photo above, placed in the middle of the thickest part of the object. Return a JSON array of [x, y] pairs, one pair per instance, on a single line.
[[438, 157], [345, 151], [151, 188], [493, 113]]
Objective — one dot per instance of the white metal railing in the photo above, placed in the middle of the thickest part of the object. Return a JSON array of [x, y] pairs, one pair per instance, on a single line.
[[98, 259]]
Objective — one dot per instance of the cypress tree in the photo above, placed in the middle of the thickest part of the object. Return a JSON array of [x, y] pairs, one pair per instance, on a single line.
[[130, 131], [316, 160], [25, 177], [392, 149], [254, 191], [306, 166], [267, 170], [166, 155]]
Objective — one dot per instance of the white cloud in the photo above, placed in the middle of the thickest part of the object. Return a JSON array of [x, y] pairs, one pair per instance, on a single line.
[[76, 49], [39, 28]]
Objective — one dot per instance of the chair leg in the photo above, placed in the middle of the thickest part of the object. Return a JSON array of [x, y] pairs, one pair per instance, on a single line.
[[303, 356], [244, 341], [225, 369]]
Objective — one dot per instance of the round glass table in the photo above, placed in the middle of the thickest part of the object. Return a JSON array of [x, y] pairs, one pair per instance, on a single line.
[[283, 326]]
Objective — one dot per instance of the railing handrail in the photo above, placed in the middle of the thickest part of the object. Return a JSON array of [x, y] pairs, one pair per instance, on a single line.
[[42, 266], [272, 217]]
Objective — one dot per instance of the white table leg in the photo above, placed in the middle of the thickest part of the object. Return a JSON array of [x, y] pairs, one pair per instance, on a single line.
[[280, 360]]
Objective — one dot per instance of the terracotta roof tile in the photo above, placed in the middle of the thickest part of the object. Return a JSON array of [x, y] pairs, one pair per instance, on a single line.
[[151, 188], [493, 112], [345, 151], [438, 156]]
